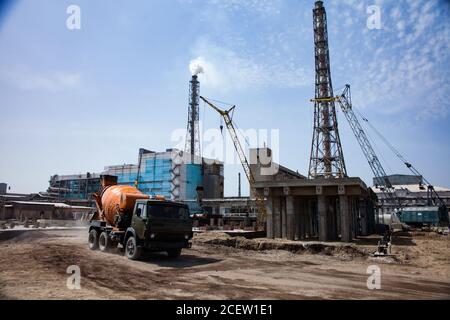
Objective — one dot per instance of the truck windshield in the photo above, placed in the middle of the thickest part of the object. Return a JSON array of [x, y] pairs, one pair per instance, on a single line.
[[167, 211]]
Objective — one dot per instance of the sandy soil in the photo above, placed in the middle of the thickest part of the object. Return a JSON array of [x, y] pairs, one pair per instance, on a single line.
[[33, 266]]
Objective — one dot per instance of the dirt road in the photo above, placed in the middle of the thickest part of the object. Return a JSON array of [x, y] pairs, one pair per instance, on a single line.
[[33, 266]]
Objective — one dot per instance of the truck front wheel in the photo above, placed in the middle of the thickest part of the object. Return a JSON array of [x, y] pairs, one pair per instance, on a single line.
[[104, 242], [174, 253], [93, 239], [132, 250]]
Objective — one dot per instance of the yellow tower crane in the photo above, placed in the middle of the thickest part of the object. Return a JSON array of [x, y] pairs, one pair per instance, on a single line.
[[262, 213]]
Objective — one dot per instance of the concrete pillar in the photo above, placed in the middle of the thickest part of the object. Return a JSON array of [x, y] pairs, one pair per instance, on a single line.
[[346, 232], [284, 222], [322, 212], [270, 224], [332, 219], [313, 217], [290, 217], [364, 220], [354, 216], [300, 219], [276, 217], [3, 211]]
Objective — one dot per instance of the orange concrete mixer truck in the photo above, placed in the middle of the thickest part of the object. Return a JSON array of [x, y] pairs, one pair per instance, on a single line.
[[126, 218]]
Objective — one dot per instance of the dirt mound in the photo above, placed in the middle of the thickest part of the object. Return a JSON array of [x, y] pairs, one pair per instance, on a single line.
[[339, 250]]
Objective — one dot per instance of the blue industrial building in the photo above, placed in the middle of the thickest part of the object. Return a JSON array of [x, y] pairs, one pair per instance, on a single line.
[[157, 173]]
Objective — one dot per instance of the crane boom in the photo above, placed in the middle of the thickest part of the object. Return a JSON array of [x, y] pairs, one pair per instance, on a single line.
[[387, 189], [432, 194], [243, 159]]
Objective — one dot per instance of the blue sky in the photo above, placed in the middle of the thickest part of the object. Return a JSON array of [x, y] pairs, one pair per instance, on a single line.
[[74, 101]]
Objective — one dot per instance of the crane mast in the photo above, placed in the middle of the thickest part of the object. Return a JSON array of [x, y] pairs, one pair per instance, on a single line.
[[243, 159]]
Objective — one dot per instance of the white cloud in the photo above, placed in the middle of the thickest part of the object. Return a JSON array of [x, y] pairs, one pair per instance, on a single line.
[[400, 69], [225, 70], [400, 25], [396, 13], [403, 68], [261, 7], [26, 79]]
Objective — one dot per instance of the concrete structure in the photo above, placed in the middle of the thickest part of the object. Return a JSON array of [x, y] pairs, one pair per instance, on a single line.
[[299, 208], [32, 210], [74, 188], [3, 188], [231, 207]]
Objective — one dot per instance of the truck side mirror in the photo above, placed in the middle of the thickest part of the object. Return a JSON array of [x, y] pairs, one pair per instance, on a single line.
[[138, 212]]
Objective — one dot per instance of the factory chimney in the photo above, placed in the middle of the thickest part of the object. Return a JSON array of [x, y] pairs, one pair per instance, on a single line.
[[192, 146]]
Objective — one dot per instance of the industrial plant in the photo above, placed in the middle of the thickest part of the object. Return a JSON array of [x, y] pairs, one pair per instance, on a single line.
[[286, 215]]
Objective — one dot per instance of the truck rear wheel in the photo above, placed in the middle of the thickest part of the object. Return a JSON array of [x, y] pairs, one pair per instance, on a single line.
[[104, 242], [132, 250], [93, 239], [174, 253]]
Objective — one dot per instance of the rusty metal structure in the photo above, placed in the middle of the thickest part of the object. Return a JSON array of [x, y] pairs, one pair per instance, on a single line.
[[192, 146], [327, 159]]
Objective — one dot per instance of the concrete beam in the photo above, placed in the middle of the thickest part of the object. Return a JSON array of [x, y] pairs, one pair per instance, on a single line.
[[312, 182]]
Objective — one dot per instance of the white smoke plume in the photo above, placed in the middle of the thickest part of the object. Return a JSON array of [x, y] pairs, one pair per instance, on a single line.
[[196, 66]]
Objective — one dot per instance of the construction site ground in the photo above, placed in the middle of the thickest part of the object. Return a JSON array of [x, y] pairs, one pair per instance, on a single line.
[[34, 265]]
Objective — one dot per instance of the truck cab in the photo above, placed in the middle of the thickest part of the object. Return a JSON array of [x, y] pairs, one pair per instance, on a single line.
[[154, 225], [160, 225]]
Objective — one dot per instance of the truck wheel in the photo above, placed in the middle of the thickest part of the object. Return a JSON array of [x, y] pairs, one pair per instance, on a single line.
[[104, 242], [174, 253], [132, 250], [93, 239]]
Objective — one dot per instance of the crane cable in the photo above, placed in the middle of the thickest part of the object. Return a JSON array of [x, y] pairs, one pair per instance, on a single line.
[[365, 120], [238, 131], [395, 151]]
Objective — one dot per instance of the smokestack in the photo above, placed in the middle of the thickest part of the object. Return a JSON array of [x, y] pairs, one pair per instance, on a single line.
[[192, 146]]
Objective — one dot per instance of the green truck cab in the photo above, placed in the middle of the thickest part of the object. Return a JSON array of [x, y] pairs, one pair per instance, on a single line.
[[153, 225]]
